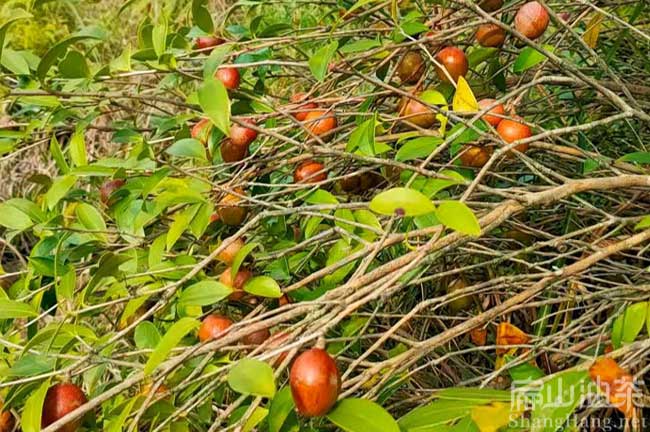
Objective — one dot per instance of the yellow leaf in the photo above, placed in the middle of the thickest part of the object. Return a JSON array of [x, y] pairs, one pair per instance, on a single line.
[[593, 30], [492, 417], [464, 99]]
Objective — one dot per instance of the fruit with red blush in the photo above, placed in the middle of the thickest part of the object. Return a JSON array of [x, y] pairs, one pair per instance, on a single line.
[[474, 156], [410, 68], [60, 400], [201, 130], [310, 171], [315, 382], [512, 130], [107, 189], [213, 327], [303, 107], [204, 42], [228, 254], [237, 283], [229, 76], [490, 35], [241, 135], [454, 61], [532, 20], [230, 209], [495, 114], [320, 123]]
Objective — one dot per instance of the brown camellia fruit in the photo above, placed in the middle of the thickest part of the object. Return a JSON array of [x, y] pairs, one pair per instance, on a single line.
[[350, 184], [310, 171], [213, 326], [229, 76], [201, 130], [237, 284], [417, 113], [257, 338], [513, 130], [204, 42], [60, 400], [107, 189], [494, 115], [241, 135], [532, 20], [474, 156], [230, 210], [230, 251], [454, 61], [490, 35], [459, 303], [7, 420], [315, 382], [411, 67], [302, 108], [320, 122], [231, 152], [284, 300], [490, 5]]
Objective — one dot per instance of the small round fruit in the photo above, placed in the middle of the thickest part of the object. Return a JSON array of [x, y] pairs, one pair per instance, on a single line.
[[204, 42], [494, 115], [491, 5], [7, 420], [201, 130], [229, 76], [310, 171], [231, 152], [60, 400], [237, 284], [230, 251], [417, 113], [532, 20], [257, 338], [454, 61], [241, 135], [284, 300], [370, 180], [411, 67], [213, 326], [350, 184], [315, 382], [230, 210], [107, 189], [303, 108], [490, 35], [320, 122], [474, 156], [512, 130], [459, 303]]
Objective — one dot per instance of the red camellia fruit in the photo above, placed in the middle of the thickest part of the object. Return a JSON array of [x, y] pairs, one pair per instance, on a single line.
[[513, 130], [60, 400], [454, 61], [228, 254], [107, 189], [231, 152], [320, 122], [257, 338], [241, 135], [237, 284], [491, 5], [490, 35], [201, 130], [303, 108], [213, 326], [229, 76], [204, 42], [474, 156], [310, 171], [532, 20], [417, 113], [7, 420], [315, 382], [494, 115]]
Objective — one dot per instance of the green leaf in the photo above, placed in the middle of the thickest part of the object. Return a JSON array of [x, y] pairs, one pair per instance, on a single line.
[[181, 221], [116, 423], [59, 50], [481, 395], [320, 196], [60, 187], [281, 407], [204, 293], [417, 148], [557, 399], [479, 55], [123, 62], [187, 147], [201, 16], [529, 58], [643, 223], [408, 201], [241, 256], [31, 416], [638, 157], [159, 38], [92, 220], [457, 216], [15, 62], [14, 218], [57, 155], [15, 15], [252, 377], [78, 148], [263, 286], [74, 65], [10, 309], [146, 335], [173, 336], [320, 60], [363, 138], [214, 101], [628, 325], [360, 46], [362, 415], [215, 59]]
